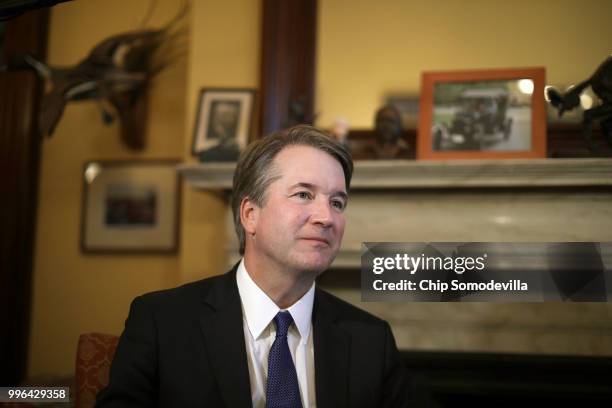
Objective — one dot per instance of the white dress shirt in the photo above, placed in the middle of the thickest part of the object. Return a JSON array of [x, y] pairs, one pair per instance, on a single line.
[[258, 312]]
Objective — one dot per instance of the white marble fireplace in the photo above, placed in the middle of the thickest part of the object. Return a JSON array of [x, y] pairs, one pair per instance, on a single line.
[[551, 200]]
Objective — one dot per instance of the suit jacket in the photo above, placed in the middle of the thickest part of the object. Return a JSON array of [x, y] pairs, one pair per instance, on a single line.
[[185, 347]]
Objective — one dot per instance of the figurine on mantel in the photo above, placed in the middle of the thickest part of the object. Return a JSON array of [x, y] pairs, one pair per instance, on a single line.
[[387, 143], [601, 84], [388, 130], [340, 131]]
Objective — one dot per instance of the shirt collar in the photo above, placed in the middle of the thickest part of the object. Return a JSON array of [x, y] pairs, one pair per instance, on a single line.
[[259, 309]]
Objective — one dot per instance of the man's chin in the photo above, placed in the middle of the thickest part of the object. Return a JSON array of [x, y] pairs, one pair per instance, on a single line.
[[315, 264]]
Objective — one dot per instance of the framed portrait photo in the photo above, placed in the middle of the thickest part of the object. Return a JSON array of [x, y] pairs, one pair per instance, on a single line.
[[492, 114], [223, 123], [130, 207]]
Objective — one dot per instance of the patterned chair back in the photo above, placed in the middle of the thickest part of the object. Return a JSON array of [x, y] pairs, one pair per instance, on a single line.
[[94, 357]]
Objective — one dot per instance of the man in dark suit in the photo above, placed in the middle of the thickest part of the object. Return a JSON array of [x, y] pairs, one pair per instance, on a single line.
[[263, 335]]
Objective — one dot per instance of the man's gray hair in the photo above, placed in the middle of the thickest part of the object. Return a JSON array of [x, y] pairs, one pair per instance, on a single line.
[[254, 171]]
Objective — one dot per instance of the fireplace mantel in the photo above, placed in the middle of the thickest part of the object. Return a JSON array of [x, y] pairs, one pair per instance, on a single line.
[[410, 174], [460, 200]]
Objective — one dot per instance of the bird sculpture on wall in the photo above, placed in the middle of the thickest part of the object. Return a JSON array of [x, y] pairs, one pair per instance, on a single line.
[[601, 84], [116, 73]]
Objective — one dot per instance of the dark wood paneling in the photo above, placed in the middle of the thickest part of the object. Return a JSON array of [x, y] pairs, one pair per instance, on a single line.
[[287, 63], [19, 167], [566, 140]]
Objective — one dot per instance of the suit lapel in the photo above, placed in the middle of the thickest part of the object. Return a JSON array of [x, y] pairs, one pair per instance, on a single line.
[[224, 339], [331, 355]]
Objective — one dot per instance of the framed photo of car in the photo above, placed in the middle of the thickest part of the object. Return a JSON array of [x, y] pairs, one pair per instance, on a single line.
[[223, 123], [492, 114], [130, 207]]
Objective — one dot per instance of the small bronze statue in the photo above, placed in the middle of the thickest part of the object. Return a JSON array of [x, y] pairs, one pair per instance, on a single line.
[[601, 84], [388, 130]]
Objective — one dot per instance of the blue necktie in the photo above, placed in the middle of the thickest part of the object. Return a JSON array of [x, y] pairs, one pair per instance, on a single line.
[[283, 390]]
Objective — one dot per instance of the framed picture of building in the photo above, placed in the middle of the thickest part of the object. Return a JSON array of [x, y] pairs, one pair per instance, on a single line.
[[492, 114], [130, 207]]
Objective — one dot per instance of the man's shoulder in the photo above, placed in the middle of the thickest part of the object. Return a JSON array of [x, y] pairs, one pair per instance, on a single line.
[[184, 295], [346, 312]]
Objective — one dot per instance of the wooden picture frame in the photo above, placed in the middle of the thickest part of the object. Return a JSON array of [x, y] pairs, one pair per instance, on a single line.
[[482, 114], [223, 123], [130, 207]]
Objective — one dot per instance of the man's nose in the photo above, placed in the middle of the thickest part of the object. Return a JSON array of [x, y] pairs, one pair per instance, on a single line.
[[322, 212]]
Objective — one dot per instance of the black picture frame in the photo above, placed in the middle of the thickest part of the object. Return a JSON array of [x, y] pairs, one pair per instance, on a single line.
[[223, 123]]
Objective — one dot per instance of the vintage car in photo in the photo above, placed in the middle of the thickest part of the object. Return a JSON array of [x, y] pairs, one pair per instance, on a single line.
[[480, 119]]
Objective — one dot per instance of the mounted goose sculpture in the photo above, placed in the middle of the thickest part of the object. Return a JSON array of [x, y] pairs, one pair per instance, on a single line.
[[117, 73]]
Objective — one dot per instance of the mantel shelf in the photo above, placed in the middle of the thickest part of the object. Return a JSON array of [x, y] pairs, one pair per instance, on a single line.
[[410, 174]]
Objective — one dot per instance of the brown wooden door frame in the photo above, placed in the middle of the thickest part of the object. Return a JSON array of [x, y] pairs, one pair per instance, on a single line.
[[20, 146], [288, 46]]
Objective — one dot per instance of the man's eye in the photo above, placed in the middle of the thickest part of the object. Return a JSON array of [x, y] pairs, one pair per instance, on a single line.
[[338, 204], [304, 195]]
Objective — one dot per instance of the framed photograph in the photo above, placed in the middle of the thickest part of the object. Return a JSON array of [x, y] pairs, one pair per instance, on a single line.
[[223, 123], [493, 114], [130, 207]]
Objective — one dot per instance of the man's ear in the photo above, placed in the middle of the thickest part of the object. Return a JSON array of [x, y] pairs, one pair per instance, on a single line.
[[249, 213]]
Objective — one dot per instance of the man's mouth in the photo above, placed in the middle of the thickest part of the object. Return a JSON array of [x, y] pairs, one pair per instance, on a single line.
[[317, 239]]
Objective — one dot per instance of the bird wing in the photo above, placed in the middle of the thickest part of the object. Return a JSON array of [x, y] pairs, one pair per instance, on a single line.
[[103, 52]]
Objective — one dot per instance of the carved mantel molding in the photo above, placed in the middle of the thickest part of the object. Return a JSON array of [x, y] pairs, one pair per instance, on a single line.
[[409, 174]]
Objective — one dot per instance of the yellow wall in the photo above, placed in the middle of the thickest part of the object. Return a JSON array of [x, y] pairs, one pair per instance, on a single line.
[[75, 293], [367, 48], [224, 53]]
